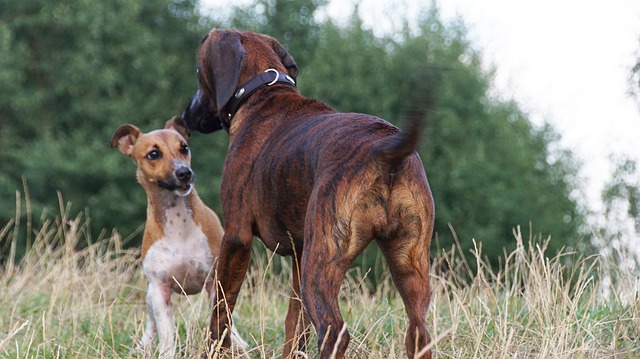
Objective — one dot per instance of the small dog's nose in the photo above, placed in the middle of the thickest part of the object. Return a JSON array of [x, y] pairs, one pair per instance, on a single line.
[[184, 174]]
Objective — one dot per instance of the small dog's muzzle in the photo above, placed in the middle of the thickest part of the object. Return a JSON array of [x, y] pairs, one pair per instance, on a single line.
[[182, 182], [184, 175]]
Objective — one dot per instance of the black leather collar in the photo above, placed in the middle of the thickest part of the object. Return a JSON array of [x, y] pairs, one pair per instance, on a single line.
[[267, 78]]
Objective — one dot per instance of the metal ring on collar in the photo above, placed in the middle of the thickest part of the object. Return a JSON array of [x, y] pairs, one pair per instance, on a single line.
[[276, 78]]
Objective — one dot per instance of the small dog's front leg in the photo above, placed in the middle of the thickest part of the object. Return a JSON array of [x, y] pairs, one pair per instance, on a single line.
[[233, 261], [149, 331], [160, 311]]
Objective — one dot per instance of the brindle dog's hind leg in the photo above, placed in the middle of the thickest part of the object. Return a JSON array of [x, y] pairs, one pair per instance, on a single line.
[[332, 242], [408, 258]]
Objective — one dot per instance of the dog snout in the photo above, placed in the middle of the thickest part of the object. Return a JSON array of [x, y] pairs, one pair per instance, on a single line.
[[184, 174], [198, 115]]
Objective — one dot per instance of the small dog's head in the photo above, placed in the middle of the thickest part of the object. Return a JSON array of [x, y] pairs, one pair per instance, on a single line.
[[226, 60], [162, 156]]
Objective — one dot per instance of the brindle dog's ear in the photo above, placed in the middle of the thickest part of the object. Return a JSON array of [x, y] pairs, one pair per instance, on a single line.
[[286, 59], [179, 124], [226, 59]]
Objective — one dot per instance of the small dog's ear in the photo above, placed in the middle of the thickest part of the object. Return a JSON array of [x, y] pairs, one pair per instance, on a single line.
[[124, 138], [286, 59], [224, 61], [180, 125]]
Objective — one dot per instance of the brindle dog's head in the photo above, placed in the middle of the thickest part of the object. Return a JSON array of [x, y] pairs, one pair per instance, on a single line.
[[226, 60]]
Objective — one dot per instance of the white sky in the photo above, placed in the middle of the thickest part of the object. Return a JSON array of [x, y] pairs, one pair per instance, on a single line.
[[564, 61], [568, 61]]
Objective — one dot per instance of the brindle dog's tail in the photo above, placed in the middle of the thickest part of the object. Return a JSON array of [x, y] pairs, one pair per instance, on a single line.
[[395, 148]]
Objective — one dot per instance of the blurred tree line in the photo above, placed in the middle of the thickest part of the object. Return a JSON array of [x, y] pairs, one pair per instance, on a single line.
[[617, 236], [71, 72]]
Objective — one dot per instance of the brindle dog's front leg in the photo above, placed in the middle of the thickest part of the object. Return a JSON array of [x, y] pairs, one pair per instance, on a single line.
[[233, 261], [297, 324]]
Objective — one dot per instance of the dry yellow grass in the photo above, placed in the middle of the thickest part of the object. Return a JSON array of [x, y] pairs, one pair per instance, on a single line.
[[63, 302]]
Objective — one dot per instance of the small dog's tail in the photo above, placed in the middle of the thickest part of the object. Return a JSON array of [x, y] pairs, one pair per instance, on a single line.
[[395, 148]]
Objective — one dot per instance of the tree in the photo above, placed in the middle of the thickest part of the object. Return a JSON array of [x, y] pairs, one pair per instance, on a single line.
[[489, 167], [634, 80], [71, 73], [617, 239], [621, 198], [292, 22]]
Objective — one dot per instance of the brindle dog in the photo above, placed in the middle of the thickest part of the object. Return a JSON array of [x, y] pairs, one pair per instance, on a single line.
[[311, 183]]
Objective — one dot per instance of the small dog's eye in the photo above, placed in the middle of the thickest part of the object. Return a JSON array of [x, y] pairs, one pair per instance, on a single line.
[[184, 149], [154, 155]]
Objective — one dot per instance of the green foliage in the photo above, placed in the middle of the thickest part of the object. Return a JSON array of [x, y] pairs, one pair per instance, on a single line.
[[350, 71], [290, 21], [71, 73]]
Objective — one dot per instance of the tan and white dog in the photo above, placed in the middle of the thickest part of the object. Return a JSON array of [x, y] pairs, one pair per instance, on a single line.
[[182, 235]]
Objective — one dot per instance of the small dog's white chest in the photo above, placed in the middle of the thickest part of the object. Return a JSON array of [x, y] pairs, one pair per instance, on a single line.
[[182, 257]]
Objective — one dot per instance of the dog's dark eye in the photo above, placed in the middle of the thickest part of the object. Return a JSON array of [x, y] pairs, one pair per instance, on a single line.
[[154, 155], [184, 149]]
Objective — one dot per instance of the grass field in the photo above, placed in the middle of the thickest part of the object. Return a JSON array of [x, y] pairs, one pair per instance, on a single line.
[[64, 302]]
